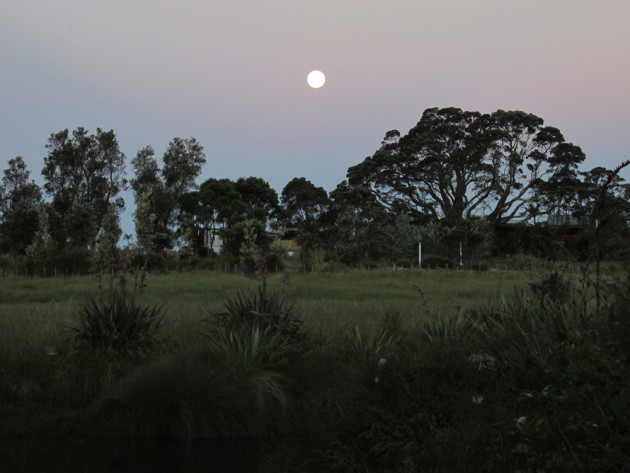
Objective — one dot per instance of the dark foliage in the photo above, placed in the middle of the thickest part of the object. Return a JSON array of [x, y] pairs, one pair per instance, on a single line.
[[256, 308], [118, 323]]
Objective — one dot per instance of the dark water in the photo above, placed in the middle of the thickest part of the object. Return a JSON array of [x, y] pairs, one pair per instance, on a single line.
[[67, 456]]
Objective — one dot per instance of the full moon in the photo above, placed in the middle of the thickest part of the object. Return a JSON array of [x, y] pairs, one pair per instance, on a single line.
[[316, 79]]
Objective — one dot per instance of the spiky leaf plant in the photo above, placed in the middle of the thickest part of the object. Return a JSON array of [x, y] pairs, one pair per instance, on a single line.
[[118, 322], [444, 327], [367, 346], [251, 350], [528, 329], [269, 312]]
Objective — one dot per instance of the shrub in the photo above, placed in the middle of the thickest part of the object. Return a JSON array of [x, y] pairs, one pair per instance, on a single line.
[[553, 287], [368, 346], [252, 350], [269, 312], [444, 327], [273, 263], [117, 323], [189, 399]]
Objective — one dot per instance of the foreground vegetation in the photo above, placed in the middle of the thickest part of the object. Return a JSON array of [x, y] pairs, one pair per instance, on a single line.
[[356, 371]]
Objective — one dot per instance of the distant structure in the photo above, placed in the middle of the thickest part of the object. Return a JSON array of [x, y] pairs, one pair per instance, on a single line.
[[571, 226]]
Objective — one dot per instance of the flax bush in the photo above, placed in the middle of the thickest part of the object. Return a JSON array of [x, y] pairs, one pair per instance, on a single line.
[[117, 322]]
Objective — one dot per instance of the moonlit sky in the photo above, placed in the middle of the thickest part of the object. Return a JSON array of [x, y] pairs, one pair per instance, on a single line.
[[232, 74]]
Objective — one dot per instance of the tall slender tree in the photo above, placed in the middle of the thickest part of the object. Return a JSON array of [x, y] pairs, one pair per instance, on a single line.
[[84, 175], [19, 198], [158, 192]]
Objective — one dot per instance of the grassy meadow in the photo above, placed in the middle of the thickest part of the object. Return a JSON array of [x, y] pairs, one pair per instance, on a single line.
[[431, 370]]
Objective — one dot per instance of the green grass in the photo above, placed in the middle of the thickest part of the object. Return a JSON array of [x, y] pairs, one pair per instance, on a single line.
[[394, 370], [34, 311]]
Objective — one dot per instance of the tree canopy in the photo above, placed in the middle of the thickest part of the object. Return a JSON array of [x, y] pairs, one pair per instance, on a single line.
[[84, 175], [18, 200], [457, 164]]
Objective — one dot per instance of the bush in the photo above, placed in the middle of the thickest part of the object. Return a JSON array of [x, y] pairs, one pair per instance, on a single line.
[[118, 323], [249, 309], [273, 263], [553, 287], [189, 399]]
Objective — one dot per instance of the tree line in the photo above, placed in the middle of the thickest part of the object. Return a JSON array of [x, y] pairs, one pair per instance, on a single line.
[[455, 178]]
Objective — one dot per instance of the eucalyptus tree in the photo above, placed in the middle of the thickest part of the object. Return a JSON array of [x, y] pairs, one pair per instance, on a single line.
[[455, 165], [158, 192], [84, 175], [153, 203], [19, 198]]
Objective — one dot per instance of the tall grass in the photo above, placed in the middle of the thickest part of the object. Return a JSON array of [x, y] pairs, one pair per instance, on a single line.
[[479, 372]]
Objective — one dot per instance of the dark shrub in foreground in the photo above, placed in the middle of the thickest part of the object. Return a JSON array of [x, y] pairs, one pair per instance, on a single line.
[[117, 322], [190, 399]]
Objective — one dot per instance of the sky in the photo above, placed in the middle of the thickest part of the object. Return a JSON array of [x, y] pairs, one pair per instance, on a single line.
[[232, 74]]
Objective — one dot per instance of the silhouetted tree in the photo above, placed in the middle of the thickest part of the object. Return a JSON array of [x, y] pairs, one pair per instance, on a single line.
[[457, 164], [83, 175], [158, 193], [19, 198]]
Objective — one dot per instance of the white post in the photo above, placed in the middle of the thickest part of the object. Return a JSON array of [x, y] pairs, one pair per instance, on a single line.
[[419, 255], [461, 260]]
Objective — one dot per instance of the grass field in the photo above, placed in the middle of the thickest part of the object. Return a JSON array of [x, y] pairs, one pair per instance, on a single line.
[[34, 312], [387, 370]]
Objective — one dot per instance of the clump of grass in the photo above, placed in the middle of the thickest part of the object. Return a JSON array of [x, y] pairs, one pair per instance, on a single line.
[[443, 327], [256, 331], [190, 399], [269, 312], [252, 350], [117, 322], [366, 346], [525, 329]]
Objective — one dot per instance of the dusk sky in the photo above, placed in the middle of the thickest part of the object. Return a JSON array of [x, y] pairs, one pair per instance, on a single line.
[[232, 74]]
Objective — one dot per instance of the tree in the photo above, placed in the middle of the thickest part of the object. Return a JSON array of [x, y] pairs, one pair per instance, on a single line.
[[160, 192], [19, 198], [526, 156], [212, 207], [259, 200], [355, 224], [302, 204], [84, 175], [457, 164], [603, 206], [154, 204], [220, 203], [183, 160], [244, 208]]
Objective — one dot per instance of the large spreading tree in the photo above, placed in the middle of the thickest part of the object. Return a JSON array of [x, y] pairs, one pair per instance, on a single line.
[[455, 165]]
